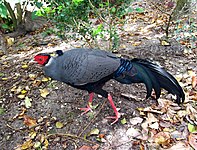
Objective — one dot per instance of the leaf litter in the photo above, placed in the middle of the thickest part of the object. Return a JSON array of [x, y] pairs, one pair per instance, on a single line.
[[35, 103]]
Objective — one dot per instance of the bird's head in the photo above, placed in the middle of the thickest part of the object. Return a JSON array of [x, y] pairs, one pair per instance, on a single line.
[[42, 58]]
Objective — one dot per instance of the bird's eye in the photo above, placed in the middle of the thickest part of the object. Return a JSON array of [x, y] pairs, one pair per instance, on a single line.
[[40, 59]]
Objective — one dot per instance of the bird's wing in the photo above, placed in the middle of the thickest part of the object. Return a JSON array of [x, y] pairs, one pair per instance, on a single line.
[[84, 66]]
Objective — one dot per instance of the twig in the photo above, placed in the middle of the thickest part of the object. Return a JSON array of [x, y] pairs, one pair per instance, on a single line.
[[97, 12], [92, 119], [72, 136], [25, 128], [15, 129]]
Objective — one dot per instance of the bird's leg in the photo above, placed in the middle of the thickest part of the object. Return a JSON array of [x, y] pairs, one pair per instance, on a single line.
[[115, 110], [89, 106]]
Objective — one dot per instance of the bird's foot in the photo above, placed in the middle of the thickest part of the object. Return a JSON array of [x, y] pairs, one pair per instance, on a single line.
[[114, 117], [87, 109]]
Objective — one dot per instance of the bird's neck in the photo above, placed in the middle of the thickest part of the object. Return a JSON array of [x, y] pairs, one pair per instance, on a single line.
[[49, 62]]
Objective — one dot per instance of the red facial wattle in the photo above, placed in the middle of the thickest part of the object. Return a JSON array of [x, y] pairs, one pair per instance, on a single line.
[[41, 59]]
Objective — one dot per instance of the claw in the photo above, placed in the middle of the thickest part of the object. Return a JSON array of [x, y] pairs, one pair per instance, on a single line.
[[115, 110], [89, 106], [86, 109], [114, 117]]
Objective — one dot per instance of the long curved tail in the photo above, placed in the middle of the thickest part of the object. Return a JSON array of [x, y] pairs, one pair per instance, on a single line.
[[152, 75]]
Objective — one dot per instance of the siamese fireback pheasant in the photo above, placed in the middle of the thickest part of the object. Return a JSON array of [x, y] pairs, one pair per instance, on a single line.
[[90, 69]]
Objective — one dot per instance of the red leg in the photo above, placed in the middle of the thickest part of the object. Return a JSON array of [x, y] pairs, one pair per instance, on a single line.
[[91, 95], [115, 110]]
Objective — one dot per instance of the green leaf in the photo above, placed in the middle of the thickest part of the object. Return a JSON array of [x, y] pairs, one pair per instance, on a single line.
[[38, 4], [34, 15], [2, 111], [123, 121], [94, 132], [48, 9], [1, 74], [77, 2], [98, 30], [139, 10], [192, 128], [129, 10], [37, 144], [3, 11], [101, 5], [59, 125], [113, 10]]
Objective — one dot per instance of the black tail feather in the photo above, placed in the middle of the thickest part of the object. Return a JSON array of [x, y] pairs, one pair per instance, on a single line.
[[153, 76]]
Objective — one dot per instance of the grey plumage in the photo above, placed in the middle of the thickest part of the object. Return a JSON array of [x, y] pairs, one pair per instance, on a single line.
[[78, 66], [89, 69]]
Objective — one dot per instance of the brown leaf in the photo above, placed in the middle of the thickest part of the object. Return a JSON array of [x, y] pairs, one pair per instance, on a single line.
[[84, 147], [194, 81], [193, 140], [21, 114], [101, 135], [44, 79], [32, 76], [36, 83], [28, 121], [44, 92], [25, 66], [27, 144], [21, 96], [95, 147], [10, 41], [163, 138], [136, 43], [165, 43], [194, 96]]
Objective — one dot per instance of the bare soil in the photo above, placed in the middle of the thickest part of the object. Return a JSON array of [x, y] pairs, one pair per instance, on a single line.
[[63, 102]]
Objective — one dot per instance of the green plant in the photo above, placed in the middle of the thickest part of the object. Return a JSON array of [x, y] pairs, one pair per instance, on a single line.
[[10, 18], [4, 19], [93, 20]]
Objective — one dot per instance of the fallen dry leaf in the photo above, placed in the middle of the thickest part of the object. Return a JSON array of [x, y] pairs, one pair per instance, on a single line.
[[136, 120], [193, 140], [27, 144], [94, 132], [28, 121], [180, 146], [37, 145], [32, 76], [4, 79], [32, 134], [44, 79], [10, 41], [165, 43], [59, 125], [36, 83], [25, 66], [23, 91], [44, 92], [28, 102], [163, 138], [21, 96], [46, 144], [132, 132], [84, 147], [194, 81]]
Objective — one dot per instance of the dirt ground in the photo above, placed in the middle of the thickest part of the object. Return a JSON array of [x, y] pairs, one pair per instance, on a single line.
[[63, 102]]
